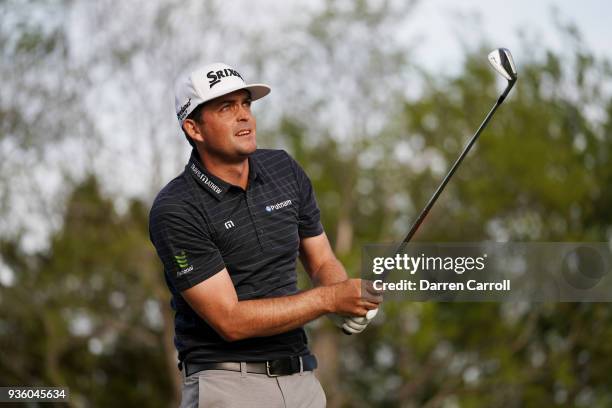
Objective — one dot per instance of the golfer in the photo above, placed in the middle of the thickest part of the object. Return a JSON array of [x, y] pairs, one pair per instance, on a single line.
[[228, 230]]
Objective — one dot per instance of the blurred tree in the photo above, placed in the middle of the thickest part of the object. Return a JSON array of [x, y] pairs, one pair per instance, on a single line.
[[39, 112], [91, 312]]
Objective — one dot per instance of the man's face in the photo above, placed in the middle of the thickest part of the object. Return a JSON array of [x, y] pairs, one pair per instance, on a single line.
[[228, 128]]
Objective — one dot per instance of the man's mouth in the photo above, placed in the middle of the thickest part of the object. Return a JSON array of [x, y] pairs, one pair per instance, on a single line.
[[244, 132]]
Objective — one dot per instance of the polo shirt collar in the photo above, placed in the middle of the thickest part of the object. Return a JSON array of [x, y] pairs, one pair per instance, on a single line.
[[255, 172], [213, 184]]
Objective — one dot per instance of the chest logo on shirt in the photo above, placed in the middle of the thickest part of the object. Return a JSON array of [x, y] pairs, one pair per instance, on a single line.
[[229, 224], [278, 206]]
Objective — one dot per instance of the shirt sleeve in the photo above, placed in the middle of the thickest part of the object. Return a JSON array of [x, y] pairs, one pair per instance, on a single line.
[[309, 216], [185, 248]]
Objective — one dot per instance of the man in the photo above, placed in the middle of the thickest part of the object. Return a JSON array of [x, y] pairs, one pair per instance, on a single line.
[[228, 231]]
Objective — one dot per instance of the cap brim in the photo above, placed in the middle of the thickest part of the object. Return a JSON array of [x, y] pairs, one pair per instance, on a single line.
[[257, 91]]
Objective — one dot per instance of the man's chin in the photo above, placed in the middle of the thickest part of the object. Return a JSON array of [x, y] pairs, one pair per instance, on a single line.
[[247, 150]]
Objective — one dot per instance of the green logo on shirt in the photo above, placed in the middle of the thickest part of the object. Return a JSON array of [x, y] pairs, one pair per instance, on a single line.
[[181, 260]]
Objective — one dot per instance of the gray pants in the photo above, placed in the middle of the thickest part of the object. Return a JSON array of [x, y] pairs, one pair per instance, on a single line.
[[229, 389]]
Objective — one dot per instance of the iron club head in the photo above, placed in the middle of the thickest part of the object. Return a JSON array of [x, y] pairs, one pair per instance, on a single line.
[[502, 61]]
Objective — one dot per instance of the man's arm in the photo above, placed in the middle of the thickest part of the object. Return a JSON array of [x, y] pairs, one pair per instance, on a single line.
[[324, 268], [320, 262], [215, 300]]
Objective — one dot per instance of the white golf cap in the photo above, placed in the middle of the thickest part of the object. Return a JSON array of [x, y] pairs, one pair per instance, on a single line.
[[207, 83]]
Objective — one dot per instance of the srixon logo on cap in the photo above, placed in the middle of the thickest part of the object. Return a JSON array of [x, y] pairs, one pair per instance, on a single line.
[[215, 76]]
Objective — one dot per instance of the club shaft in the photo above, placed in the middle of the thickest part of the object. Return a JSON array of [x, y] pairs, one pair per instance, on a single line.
[[434, 197], [415, 226]]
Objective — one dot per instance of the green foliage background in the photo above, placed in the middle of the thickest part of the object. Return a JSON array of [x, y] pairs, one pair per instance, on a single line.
[[91, 311]]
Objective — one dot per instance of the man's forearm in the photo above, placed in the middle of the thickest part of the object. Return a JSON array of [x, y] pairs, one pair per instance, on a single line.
[[267, 317], [329, 273]]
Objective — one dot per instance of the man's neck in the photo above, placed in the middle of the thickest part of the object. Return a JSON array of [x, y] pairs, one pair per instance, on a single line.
[[234, 173]]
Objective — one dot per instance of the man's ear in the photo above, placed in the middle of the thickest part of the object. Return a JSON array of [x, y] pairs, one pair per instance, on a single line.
[[192, 128]]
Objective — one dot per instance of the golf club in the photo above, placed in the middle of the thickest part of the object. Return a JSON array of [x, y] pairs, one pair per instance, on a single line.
[[501, 60]]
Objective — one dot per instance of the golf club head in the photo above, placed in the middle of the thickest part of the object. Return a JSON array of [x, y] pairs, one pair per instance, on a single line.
[[502, 61]]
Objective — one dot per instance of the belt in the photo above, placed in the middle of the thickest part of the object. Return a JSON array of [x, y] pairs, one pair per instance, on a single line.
[[272, 368]]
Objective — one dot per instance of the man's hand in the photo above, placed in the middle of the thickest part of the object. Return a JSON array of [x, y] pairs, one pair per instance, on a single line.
[[356, 325], [353, 297], [356, 304], [353, 302], [352, 324]]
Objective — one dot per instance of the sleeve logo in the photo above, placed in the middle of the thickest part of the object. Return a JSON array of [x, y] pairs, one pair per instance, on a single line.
[[183, 263]]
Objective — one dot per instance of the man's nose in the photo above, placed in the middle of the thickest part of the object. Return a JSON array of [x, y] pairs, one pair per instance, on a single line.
[[244, 113]]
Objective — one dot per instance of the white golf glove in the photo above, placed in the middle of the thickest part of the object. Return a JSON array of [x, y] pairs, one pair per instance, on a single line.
[[353, 324]]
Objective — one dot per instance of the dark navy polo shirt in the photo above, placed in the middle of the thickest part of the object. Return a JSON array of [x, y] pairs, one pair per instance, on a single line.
[[200, 224]]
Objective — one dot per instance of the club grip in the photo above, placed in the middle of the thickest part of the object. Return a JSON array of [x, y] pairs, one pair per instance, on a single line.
[[348, 333]]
